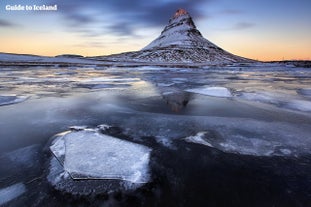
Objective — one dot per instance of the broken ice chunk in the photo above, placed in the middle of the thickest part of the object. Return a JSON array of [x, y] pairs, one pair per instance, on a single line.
[[11, 99], [91, 155], [212, 91], [241, 145], [11, 192], [198, 139]]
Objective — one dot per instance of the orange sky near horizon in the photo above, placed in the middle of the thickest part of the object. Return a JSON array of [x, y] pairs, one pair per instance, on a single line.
[[253, 50], [259, 30]]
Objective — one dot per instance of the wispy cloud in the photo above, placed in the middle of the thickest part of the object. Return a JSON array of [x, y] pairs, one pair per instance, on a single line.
[[122, 17], [4, 23], [231, 11], [243, 25]]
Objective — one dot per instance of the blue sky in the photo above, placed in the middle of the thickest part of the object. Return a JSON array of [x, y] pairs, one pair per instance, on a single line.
[[264, 30]]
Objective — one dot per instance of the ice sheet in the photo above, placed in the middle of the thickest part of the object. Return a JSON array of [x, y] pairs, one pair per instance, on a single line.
[[91, 155], [301, 105], [279, 99], [11, 192], [212, 91]]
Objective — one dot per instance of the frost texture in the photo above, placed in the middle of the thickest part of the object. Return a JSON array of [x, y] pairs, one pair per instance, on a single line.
[[212, 91], [9, 193], [90, 155]]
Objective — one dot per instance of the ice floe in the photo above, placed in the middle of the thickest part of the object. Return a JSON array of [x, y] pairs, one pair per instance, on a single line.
[[279, 99], [11, 192], [11, 99], [240, 144], [92, 155], [212, 91]]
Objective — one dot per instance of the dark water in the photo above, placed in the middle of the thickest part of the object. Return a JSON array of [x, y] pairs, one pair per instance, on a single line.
[[259, 154]]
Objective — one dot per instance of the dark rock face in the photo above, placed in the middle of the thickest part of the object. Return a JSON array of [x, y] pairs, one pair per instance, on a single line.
[[181, 42]]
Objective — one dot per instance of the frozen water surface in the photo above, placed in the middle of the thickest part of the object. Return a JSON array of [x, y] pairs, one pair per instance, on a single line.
[[11, 192], [179, 136]]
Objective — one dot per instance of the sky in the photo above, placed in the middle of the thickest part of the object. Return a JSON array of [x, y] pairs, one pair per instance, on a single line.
[[258, 29]]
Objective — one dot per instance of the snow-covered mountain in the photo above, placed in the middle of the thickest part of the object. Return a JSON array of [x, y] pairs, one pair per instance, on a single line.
[[181, 42]]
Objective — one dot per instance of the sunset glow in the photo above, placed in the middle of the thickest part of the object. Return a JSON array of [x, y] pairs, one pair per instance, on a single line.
[[261, 30]]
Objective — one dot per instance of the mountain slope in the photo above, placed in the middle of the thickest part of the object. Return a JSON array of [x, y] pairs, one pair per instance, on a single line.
[[180, 42]]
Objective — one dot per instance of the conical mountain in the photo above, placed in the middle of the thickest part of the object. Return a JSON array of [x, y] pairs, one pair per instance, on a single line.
[[181, 42], [180, 32]]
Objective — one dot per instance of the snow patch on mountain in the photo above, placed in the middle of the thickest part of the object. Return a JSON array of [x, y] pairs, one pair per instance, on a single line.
[[181, 42]]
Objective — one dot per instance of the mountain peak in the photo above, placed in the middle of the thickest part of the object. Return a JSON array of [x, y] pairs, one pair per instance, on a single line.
[[181, 42], [180, 31], [180, 12]]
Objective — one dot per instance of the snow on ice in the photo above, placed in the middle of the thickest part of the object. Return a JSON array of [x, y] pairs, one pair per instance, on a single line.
[[212, 91], [91, 155]]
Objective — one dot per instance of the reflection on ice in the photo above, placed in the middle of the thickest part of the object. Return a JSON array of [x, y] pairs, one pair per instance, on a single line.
[[177, 100], [11, 192]]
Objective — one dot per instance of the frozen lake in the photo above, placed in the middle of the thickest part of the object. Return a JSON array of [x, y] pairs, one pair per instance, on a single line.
[[238, 136]]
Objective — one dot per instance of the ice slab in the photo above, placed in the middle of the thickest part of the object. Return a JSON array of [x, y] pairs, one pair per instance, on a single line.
[[212, 91], [242, 145], [11, 99], [279, 99], [91, 155], [11, 192]]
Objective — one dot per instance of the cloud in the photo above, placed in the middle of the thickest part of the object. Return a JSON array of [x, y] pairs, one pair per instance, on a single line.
[[4, 23], [243, 25], [123, 17], [231, 11]]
